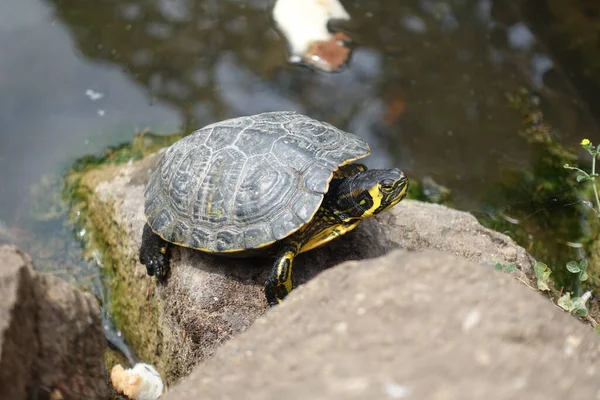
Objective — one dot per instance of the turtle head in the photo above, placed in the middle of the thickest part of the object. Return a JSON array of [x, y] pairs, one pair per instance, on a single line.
[[370, 192]]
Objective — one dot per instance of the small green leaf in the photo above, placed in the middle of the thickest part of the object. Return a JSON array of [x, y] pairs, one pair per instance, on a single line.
[[583, 276], [573, 266], [577, 302], [583, 264], [542, 274], [578, 307], [510, 268], [498, 267], [581, 312], [565, 302], [581, 178], [575, 305]]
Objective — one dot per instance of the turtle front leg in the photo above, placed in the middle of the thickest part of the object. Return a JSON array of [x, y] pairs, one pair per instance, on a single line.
[[154, 253], [279, 283]]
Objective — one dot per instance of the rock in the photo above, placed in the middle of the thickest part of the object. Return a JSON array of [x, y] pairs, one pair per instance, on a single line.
[[18, 313], [71, 340], [207, 300], [51, 337], [407, 325], [142, 382]]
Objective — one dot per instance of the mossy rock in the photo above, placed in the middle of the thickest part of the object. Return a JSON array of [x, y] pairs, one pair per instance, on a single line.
[[131, 303], [208, 300]]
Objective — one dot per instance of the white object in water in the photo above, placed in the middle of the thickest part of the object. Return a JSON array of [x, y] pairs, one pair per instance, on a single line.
[[93, 95], [142, 382], [304, 22]]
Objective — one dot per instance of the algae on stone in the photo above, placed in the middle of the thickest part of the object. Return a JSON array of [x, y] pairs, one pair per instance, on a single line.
[[131, 303]]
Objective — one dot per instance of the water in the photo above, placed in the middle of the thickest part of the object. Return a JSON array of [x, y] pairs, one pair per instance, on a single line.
[[426, 86]]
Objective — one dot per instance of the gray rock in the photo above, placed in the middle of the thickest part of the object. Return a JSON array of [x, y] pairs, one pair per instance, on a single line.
[[18, 314], [208, 299], [51, 337], [406, 326]]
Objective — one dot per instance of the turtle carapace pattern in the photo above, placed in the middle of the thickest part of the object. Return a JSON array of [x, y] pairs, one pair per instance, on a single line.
[[280, 181]]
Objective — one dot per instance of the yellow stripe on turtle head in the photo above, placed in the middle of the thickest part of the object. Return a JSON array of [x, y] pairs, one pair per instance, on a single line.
[[376, 197]]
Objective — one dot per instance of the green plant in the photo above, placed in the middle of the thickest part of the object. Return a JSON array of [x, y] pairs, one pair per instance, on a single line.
[[569, 301], [579, 268], [584, 176], [575, 305], [542, 275]]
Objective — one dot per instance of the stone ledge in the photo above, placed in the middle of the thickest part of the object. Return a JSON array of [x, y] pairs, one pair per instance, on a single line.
[[424, 325]]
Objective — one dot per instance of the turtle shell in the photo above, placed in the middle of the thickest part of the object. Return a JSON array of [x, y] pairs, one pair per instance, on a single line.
[[246, 182]]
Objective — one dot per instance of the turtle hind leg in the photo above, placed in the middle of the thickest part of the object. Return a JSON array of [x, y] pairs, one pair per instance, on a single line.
[[279, 283], [154, 253]]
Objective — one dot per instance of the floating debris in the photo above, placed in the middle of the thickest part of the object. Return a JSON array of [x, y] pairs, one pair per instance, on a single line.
[[304, 24], [329, 55], [142, 382], [93, 95]]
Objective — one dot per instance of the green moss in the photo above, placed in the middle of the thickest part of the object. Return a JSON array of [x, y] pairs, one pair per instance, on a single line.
[[133, 306], [143, 145], [112, 358], [415, 190]]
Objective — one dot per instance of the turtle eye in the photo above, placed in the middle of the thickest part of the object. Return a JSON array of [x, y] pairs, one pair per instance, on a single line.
[[386, 185]]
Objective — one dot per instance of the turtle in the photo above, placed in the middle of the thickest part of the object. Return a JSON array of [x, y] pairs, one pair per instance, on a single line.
[[279, 182]]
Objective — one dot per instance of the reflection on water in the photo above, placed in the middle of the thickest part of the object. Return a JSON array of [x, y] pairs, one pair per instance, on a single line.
[[426, 84]]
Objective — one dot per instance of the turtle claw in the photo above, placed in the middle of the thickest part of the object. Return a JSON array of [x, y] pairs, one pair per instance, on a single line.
[[154, 253], [155, 265]]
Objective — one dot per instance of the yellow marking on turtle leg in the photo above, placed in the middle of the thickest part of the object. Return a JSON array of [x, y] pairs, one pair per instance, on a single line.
[[163, 250], [284, 271], [328, 234], [279, 283]]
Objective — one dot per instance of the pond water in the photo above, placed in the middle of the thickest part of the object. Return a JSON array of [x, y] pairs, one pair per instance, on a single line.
[[426, 86]]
